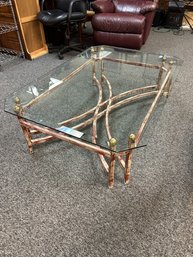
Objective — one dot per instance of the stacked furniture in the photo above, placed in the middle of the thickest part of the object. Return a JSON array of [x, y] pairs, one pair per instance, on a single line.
[[10, 41], [21, 34], [123, 23]]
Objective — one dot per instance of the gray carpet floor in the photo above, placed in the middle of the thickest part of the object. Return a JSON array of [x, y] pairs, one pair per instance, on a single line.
[[56, 203]]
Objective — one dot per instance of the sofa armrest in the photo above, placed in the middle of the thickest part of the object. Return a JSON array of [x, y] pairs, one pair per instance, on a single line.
[[101, 6], [148, 6]]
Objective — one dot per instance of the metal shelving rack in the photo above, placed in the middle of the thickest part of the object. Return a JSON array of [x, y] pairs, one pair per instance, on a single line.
[[8, 55]]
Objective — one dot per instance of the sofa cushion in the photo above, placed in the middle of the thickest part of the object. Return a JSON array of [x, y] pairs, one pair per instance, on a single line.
[[119, 22], [134, 41]]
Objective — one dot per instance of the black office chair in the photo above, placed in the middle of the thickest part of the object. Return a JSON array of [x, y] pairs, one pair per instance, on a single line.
[[65, 15]]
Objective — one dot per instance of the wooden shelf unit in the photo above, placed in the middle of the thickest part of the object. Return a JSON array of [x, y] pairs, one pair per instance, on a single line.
[[31, 30]]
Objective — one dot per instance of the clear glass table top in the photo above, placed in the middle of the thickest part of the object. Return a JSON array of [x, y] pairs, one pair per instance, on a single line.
[[101, 93]]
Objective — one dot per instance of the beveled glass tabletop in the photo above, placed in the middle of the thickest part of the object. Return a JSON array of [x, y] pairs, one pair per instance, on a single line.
[[103, 92]]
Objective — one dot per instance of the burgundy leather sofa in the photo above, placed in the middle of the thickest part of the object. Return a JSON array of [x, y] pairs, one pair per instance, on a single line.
[[123, 23]]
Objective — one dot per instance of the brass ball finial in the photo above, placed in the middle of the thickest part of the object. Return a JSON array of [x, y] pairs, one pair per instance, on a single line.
[[171, 62], [17, 100], [112, 142], [132, 138], [164, 58], [17, 109]]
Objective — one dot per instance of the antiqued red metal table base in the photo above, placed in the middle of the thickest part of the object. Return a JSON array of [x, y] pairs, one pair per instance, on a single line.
[[29, 129], [98, 66]]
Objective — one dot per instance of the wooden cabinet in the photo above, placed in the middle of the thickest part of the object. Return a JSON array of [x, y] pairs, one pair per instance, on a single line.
[[31, 30]]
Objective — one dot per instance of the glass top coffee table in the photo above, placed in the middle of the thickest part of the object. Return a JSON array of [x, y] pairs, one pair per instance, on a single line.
[[101, 100]]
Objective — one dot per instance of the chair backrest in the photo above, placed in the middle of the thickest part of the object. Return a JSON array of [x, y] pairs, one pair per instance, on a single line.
[[131, 6], [64, 5]]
